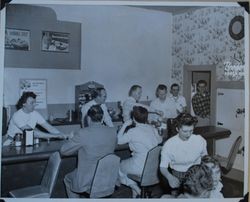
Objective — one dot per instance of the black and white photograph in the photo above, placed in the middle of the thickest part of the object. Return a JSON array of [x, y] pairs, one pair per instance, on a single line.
[[55, 41], [135, 100], [17, 39]]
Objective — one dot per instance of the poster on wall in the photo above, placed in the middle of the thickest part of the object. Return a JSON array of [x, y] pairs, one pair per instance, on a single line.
[[55, 41], [17, 39], [39, 87]]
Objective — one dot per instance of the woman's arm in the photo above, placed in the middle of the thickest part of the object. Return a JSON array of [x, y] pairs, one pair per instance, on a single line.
[[173, 181], [53, 132]]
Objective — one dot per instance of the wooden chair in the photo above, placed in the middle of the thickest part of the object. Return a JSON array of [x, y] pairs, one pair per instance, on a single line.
[[44, 190], [227, 162], [106, 174], [149, 175]]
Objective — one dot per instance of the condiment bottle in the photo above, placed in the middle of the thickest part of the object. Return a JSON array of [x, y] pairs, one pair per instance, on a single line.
[[18, 140]]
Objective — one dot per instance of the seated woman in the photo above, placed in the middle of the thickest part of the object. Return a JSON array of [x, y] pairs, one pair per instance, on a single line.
[[26, 118], [182, 151], [198, 182], [141, 139], [214, 166]]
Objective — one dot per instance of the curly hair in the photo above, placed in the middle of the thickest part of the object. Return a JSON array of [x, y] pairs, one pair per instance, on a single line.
[[185, 119], [209, 159], [198, 179], [23, 99]]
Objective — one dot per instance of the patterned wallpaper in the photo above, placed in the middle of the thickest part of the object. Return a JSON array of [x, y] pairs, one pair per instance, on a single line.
[[201, 37]]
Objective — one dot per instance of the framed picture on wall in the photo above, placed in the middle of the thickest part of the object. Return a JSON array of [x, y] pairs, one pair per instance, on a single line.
[[17, 39], [55, 41]]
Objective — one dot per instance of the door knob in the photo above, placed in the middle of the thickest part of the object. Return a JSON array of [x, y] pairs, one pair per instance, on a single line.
[[219, 123]]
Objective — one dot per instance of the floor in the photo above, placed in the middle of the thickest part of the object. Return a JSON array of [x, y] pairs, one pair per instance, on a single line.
[[231, 189]]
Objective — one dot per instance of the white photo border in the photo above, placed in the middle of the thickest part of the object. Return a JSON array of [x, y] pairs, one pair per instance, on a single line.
[[166, 3]]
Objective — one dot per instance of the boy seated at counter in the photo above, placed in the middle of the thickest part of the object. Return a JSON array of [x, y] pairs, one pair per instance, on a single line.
[[91, 143], [26, 118]]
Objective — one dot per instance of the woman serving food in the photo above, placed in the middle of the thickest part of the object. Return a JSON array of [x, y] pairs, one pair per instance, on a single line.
[[27, 118]]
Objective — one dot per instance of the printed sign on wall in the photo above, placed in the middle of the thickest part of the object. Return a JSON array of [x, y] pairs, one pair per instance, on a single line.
[[37, 86]]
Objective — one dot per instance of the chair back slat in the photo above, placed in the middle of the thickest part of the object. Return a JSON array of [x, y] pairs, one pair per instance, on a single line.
[[233, 152], [51, 172], [105, 176], [151, 167]]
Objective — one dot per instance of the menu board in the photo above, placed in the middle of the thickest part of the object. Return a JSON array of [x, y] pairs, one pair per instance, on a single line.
[[37, 86]]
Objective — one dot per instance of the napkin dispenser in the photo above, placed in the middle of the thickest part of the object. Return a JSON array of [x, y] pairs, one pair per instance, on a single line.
[[29, 137]]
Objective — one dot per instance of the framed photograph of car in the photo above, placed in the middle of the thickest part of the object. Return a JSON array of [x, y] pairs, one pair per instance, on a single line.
[[17, 39], [55, 41]]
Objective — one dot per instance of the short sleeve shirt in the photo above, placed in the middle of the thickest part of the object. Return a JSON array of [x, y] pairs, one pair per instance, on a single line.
[[20, 119], [180, 155]]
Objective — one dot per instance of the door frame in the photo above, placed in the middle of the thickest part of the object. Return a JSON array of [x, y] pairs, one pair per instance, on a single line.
[[187, 78]]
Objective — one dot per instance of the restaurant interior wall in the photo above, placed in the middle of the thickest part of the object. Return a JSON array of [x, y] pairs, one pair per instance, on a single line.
[[120, 46], [36, 20]]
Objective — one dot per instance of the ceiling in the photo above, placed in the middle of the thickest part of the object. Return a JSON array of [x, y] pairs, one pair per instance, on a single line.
[[172, 9]]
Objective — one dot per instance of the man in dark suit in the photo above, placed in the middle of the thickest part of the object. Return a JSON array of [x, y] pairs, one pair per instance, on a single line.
[[92, 143]]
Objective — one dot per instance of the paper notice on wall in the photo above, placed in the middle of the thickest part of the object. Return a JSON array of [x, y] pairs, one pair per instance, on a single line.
[[37, 86]]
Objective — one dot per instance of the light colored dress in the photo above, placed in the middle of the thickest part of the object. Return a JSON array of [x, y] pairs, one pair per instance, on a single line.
[[141, 139]]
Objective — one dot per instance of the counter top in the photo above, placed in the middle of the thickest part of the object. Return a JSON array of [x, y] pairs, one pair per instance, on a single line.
[[65, 121], [12, 154], [212, 132]]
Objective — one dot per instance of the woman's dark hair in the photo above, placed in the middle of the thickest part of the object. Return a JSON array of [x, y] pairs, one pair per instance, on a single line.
[[140, 114], [95, 113], [23, 99], [132, 89], [160, 87], [185, 119], [198, 179]]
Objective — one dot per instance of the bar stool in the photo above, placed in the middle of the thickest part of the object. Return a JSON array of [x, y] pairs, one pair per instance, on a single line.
[[149, 175], [45, 189], [226, 163], [106, 174]]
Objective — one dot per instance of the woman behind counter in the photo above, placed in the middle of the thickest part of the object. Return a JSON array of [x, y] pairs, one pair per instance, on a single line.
[[26, 118]]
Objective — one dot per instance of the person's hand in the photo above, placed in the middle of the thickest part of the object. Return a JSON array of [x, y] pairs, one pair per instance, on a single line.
[[159, 112], [67, 136], [173, 181], [71, 135]]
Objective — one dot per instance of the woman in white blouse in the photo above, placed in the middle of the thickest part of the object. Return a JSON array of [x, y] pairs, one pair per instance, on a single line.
[[27, 118], [141, 139]]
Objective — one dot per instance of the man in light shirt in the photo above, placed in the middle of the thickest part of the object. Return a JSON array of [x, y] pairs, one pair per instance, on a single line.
[[100, 96], [135, 93], [161, 105], [178, 102]]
